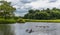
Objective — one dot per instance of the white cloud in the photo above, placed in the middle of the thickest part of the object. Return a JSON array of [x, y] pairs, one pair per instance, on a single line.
[[37, 4], [44, 4], [24, 5]]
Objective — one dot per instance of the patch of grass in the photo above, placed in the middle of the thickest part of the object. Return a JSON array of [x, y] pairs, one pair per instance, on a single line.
[[11, 21], [7, 21], [52, 21]]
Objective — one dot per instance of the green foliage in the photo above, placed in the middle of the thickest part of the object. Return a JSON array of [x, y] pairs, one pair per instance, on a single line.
[[53, 13], [7, 21], [42, 15], [6, 10], [31, 11], [20, 21]]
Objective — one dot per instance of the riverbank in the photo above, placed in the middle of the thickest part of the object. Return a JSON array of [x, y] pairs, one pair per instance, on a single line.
[[50, 21], [11, 21], [7, 21]]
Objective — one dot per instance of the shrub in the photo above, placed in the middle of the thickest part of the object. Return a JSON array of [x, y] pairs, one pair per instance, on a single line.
[[20, 21]]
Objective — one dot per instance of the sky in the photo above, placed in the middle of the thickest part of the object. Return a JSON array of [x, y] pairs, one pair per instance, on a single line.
[[22, 6]]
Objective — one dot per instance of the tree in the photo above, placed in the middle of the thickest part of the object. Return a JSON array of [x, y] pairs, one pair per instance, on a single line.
[[48, 10], [42, 15], [53, 13], [37, 10], [31, 11], [6, 9]]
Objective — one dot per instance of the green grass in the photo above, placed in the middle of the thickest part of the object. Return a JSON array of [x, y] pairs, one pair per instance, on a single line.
[[11, 21], [52, 21], [7, 21]]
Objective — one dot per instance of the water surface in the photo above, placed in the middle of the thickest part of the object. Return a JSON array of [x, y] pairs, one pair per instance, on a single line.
[[38, 28]]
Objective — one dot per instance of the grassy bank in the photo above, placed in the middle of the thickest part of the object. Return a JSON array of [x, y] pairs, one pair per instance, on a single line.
[[7, 21], [11, 21], [52, 21]]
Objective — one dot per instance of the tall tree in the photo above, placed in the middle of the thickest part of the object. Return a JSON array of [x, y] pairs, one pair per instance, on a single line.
[[6, 9]]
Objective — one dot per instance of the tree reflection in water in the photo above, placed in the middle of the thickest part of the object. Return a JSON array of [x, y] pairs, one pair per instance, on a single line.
[[5, 29]]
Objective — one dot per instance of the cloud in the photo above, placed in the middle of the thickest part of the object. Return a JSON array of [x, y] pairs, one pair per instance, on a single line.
[[44, 4], [27, 1], [52, 1], [23, 6]]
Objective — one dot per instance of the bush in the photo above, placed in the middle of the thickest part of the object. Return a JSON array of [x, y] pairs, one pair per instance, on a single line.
[[20, 21]]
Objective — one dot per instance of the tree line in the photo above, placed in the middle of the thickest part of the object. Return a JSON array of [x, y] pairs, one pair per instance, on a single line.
[[44, 14]]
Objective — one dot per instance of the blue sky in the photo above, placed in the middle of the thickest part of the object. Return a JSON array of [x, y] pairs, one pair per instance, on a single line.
[[23, 6]]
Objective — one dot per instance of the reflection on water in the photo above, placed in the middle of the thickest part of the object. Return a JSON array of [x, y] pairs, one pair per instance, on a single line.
[[5, 29], [30, 28]]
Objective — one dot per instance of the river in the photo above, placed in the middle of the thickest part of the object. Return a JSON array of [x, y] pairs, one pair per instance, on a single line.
[[35, 28]]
